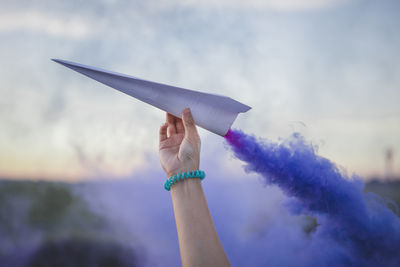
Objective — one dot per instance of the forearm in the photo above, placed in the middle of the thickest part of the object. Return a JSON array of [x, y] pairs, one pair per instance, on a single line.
[[198, 240]]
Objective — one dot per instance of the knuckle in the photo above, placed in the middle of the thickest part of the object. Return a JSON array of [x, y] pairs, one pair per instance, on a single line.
[[188, 118], [190, 121]]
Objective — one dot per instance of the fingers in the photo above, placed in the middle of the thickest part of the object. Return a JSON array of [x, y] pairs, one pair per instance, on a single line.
[[171, 120], [188, 123], [163, 132], [179, 126]]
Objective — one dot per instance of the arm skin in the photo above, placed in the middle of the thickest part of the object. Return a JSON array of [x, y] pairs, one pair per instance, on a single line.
[[179, 151]]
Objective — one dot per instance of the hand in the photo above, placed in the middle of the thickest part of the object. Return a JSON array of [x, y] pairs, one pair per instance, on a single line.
[[179, 150]]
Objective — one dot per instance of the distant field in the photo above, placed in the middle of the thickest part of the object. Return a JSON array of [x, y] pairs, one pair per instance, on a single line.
[[387, 190], [47, 222]]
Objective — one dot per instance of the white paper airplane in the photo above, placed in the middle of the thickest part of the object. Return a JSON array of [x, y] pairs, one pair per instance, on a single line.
[[215, 113]]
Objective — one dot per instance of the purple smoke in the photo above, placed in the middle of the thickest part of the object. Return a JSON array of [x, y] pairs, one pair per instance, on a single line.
[[330, 222], [353, 228]]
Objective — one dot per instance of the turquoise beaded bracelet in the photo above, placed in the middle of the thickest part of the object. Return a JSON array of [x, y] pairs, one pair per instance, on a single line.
[[184, 175]]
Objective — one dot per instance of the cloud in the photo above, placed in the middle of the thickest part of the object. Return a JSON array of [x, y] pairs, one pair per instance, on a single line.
[[333, 68], [40, 22], [281, 5]]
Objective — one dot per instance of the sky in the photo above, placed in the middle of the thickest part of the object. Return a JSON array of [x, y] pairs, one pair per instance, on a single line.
[[328, 69]]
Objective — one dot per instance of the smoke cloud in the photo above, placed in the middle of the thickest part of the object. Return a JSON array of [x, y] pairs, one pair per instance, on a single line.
[[359, 229], [308, 213]]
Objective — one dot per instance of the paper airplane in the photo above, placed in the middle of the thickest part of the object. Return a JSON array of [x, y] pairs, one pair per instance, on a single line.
[[212, 112]]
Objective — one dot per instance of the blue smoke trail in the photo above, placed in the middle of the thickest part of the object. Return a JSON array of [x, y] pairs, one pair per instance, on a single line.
[[361, 224]]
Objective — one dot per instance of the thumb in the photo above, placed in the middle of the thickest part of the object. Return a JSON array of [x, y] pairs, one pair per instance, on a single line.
[[188, 123]]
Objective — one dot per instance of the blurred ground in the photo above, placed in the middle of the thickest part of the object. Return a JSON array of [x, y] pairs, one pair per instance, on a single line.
[[48, 224], [388, 190]]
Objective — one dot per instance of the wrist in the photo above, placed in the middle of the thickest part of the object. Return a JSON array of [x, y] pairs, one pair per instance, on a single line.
[[186, 186], [181, 170]]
